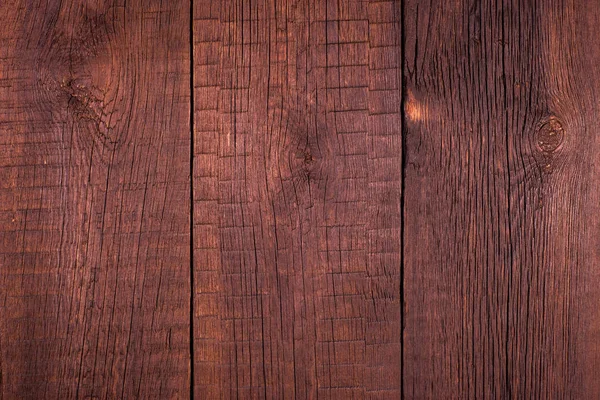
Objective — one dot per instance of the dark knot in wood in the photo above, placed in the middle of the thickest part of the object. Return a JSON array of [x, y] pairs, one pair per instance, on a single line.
[[306, 157], [306, 163], [550, 136]]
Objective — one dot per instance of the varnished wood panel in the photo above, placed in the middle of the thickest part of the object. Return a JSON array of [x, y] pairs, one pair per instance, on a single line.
[[297, 185], [94, 199], [501, 202]]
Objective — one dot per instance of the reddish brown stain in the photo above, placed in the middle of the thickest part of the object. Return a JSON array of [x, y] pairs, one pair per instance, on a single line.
[[299, 199]]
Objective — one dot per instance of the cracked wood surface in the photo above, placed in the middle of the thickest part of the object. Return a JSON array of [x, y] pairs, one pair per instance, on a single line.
[[334, 199], [94, 199], [297, 180], [501, 248]]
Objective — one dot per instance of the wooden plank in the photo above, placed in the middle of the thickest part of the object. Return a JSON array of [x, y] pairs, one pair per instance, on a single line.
[[94, 199], [501, 206], [297, 185]]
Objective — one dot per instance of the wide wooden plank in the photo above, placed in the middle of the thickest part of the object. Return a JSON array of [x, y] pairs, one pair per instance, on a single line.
[[94, 199], [297, 185], [502, 284]]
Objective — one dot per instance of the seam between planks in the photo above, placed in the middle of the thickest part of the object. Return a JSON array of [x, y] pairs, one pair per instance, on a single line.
[[192, 149], [403, 94]]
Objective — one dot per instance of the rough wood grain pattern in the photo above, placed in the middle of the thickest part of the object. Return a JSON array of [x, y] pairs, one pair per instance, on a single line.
[[308, 226], [297, 181], [94, 199], [501, 202]]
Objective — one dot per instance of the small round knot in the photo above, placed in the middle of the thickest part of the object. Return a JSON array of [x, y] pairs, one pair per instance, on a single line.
[[550, 136], [308, 158]]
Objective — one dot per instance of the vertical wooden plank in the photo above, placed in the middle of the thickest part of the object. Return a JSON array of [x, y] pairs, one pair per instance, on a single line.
[[94, 199], [208, 286], [384, 179], [501, 211], [297, 181]]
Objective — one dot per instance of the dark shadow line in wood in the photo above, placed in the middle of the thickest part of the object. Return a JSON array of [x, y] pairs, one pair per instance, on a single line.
[[192, 286], [403, 95]]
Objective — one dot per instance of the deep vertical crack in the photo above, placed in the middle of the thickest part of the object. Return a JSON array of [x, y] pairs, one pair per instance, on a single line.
[[192, 285], [403, 81]]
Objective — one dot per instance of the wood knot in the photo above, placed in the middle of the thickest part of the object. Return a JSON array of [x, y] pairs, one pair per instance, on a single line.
[[306, 162], [550, 136], [82, 102], [307, 158], [300, 159]]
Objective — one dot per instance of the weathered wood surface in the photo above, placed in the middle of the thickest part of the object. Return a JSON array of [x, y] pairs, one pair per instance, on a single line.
[[502, 262], [94, 199], [297, 184], [333, 199]]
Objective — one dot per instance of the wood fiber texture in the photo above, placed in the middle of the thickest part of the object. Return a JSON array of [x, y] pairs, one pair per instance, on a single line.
[[94, 199], [297, 185], [299, 199], [502, 262]]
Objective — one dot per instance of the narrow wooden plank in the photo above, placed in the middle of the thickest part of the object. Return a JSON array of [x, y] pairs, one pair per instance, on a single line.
[[297, 184], [501, 206], [94, 199]]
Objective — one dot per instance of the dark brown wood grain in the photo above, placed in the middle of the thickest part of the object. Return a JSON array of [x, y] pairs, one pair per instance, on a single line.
[[299, 199], [501, 201], [94, 199], [297, 184]]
